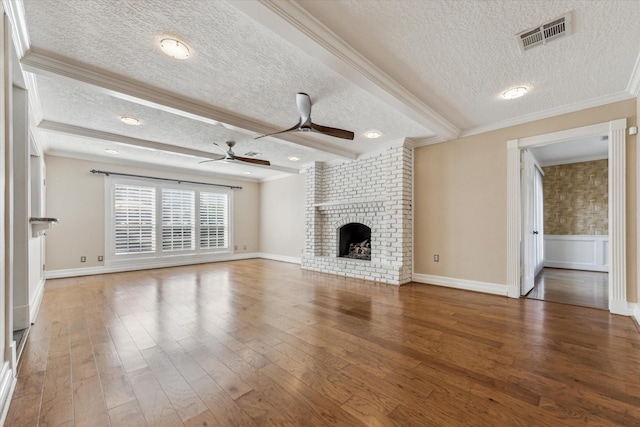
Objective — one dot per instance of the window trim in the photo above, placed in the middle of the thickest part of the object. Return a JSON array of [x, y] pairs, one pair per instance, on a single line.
[[158, 257]]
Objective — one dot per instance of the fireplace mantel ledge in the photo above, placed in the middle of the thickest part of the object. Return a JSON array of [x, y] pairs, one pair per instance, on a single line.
[[348, 202]]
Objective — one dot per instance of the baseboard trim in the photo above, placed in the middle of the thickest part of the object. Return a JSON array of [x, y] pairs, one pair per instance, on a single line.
[[7, 386], [467, 285], [76, 272], [34, 308], [576, 266], [283, 258], [622, 308], [636, 315]]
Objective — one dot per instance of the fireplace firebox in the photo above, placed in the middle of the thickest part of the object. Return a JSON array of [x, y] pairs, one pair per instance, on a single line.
[[355, 241]]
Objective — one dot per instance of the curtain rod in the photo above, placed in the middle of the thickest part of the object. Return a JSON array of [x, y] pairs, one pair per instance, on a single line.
[[179, 181]]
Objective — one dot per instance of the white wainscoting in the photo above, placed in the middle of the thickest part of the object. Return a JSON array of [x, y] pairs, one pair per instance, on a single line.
[[577, 252]]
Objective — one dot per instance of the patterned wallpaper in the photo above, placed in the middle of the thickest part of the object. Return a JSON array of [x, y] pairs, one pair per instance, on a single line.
[[576, 198]]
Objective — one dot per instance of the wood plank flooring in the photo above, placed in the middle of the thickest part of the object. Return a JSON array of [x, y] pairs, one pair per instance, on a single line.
[[263, 343], [583, 288]]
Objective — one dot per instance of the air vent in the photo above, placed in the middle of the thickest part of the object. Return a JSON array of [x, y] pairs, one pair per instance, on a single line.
[[555, 29], [251, 154]]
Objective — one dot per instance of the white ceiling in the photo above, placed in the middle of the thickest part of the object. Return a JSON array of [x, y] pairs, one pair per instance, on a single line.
[[425, 70], [582, 150]]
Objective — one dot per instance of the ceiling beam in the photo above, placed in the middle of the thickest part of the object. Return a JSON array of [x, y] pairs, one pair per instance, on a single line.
[[124, 88], [77, 131], [293, 23]]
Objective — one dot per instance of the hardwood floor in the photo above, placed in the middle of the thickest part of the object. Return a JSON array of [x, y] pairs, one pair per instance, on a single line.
[[583, 288], [262, 343]]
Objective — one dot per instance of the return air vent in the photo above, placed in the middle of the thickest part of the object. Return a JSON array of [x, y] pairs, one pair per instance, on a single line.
[[555, 29]]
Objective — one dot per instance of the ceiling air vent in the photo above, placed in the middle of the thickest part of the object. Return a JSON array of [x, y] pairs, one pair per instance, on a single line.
[[555, 29]]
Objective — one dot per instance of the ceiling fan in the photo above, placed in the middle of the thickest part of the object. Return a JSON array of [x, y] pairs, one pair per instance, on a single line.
[[306, 125], [230, 155]]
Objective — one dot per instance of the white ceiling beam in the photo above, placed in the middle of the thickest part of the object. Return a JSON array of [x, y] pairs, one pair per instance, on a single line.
[[299, 27], [77, 131], [123, 88]]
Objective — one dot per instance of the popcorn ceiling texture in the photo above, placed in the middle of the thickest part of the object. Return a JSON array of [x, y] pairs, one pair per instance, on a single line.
[[576, 198]]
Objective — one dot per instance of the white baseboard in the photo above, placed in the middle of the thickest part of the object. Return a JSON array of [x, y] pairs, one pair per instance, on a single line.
[[467, 285], [34, 307], [7, 385], [75, 272], [636, 313], [283, 258], [576, 266], [622, 308]]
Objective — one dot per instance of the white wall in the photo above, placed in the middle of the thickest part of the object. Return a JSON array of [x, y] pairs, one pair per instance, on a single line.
[[282, 217], [77, 198]]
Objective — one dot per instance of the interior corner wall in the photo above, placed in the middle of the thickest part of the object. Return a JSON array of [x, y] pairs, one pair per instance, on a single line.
[[460, 198], [76, 197], [282, 216]]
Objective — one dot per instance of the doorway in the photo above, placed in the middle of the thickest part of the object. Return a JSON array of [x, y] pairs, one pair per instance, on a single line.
[[570, 203], [616, 251]]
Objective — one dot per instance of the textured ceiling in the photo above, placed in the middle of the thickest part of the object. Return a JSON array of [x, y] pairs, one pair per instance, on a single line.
[[453, 57]]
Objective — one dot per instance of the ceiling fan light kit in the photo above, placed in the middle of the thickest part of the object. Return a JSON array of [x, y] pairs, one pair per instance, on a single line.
[[306, 125], [231, 156]]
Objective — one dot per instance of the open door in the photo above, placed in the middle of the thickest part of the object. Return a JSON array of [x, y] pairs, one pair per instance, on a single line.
[[529, 233]]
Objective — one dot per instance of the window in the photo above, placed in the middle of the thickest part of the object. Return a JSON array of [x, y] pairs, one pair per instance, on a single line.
[[149, 220], [178, 220], [135, 219], [214, 221]]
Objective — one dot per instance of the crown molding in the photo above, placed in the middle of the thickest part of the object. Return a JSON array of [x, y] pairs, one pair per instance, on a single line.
[[15, 12], [634, 82], [552, 112], [296, 25], [130, 90], [428, 141]]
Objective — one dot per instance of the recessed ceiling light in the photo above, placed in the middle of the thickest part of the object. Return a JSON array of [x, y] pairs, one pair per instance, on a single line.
[[293, 158], [175, 48], [111, 151], [247, 173], [515, 92], [130, 120], [373, 134]]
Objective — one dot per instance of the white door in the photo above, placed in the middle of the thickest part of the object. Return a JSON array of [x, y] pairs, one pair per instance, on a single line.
[[528, 179], [539, 221]]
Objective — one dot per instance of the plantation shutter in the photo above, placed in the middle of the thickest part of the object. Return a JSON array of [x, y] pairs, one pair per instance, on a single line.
[[135, 219], [178, 220], [214, 220]]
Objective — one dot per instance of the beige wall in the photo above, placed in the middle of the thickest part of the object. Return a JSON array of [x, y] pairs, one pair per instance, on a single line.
[[76, 197], [576, 198], [282, 216], [461, 198]]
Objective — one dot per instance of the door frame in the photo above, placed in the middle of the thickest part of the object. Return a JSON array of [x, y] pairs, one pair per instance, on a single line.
[[616, 130]]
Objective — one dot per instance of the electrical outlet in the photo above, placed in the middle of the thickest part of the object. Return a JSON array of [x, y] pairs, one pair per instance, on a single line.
[[235, 248], [100, 258], [244, 247], [83, 259], [436, 258]]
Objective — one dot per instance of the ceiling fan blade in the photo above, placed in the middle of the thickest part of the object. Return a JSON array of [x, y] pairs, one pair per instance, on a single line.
[[296, 127], [254, 161], [338, 133], [214, 160], [304, 107]]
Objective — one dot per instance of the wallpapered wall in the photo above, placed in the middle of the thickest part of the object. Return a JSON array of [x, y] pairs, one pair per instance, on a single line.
[[576, 198]]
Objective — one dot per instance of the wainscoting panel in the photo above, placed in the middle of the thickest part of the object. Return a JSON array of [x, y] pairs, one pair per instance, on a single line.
[[577, 252]]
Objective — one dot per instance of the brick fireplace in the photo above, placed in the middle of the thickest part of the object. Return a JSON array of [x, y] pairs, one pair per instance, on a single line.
[[375, 192]]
